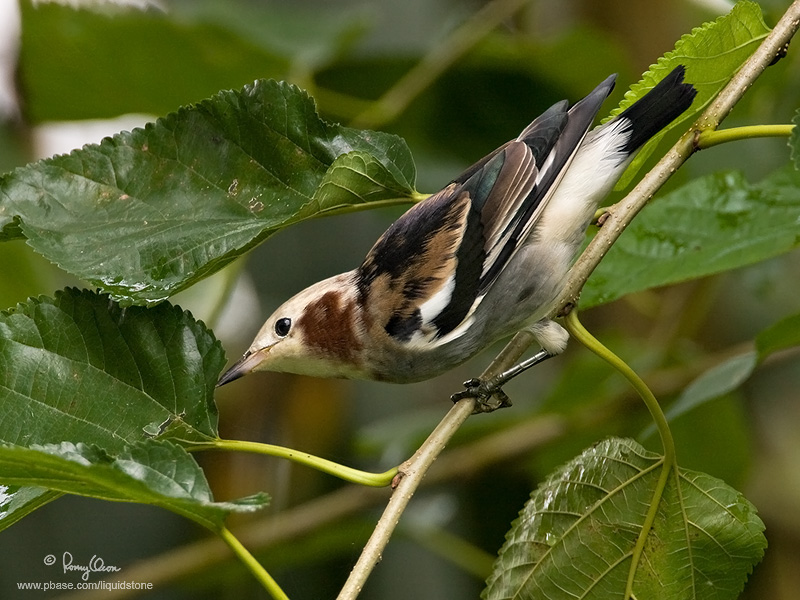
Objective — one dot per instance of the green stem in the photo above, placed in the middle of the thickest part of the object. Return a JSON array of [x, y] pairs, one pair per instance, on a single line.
[[303, 458], [669, 463], [714, 137], [260, 573]]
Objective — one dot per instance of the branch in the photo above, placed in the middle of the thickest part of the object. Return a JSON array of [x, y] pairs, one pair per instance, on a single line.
[[411, 474]]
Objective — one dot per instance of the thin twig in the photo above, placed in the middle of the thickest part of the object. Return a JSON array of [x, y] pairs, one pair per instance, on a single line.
[[411, 473], [622, 213], [436, 62]]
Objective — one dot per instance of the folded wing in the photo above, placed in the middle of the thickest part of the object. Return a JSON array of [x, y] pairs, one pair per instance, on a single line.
[[429, 271]]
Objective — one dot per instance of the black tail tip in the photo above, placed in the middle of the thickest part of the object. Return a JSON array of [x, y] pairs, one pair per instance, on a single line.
[[676, 78], [665, 102]]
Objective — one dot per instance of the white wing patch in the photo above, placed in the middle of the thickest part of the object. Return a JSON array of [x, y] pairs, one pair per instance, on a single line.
[[434, 305]]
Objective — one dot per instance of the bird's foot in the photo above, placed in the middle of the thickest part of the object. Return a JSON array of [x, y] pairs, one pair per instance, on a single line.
[[488, 393]]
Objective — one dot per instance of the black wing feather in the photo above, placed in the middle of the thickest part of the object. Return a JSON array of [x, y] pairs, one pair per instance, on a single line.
[[559, 153]]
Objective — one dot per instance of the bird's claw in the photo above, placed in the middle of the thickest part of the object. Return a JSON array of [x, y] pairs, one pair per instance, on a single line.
[[489, 395]]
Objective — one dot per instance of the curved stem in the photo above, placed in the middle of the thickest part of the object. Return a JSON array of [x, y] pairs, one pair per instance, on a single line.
[[578, 331], [714, 137], [258, 571], [669, 464], [303, 458]]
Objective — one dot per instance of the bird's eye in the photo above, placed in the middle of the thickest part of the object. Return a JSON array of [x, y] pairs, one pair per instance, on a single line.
[[282, 326]]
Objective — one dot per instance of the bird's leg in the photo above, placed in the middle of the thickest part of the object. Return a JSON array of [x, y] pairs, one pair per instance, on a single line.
[[489, 392]]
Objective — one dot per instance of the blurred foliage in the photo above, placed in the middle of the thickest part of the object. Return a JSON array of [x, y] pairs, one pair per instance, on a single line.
[[107, 61]]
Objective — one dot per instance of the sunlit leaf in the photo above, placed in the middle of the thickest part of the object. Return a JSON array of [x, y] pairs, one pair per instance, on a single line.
[[147, 213], [711, 53], [576, 535], [79, 368], [713, 224], [150, 472]]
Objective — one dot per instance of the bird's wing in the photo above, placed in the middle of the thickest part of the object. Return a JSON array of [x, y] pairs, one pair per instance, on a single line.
[[425, 276]]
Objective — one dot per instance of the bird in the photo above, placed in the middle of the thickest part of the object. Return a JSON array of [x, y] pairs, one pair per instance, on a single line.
[[478, 261]]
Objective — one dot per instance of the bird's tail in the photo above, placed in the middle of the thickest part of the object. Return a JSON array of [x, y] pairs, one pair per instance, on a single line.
[[658, 108]]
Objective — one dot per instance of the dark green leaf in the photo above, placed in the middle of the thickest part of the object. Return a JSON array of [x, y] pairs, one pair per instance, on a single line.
[[150, 472], [575, 536], [712, 54], [148, 213], [713, 224], [114, 60], [79, 368]]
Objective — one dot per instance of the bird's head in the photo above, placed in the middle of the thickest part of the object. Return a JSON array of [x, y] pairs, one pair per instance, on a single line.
[[318, 332]]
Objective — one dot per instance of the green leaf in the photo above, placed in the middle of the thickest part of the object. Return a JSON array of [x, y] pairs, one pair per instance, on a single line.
[[730, 374], [717, 381], [17, 502], [794, 140], [150, 472], [780, 336], [147, 213], [575, 536], [113, 60], [712, 54], [79, 368], [713, 224]]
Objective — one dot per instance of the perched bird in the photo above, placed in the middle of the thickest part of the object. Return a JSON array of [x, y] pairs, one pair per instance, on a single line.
[[480, 260]]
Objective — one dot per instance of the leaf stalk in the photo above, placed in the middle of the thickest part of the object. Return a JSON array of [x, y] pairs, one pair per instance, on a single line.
[[303, 458], [255, 567], [713, 137]]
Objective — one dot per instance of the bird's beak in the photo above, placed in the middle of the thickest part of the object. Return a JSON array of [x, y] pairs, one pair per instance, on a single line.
[[241, 367]]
